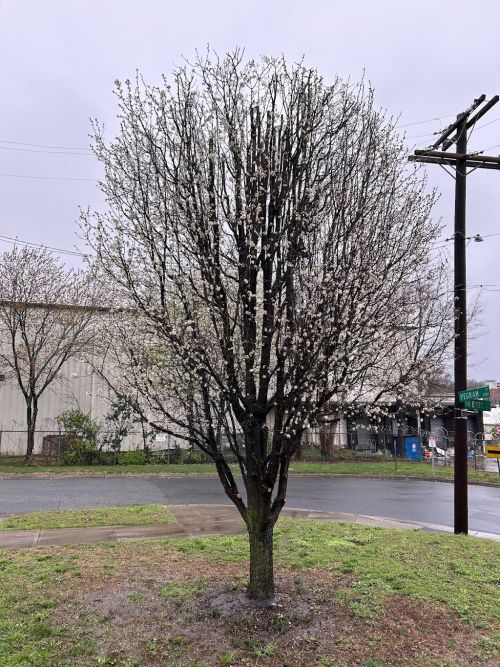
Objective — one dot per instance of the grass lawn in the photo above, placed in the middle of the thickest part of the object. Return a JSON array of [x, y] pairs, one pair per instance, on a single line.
[[135, 515], [182, 468], [388, 469], [349, 595], [376, 468]]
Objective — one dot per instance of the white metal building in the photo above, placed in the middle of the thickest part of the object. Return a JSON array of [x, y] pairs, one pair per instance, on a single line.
[[77, 387]]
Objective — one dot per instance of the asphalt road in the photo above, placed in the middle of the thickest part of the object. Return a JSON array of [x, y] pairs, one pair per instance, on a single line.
[[429, 502]]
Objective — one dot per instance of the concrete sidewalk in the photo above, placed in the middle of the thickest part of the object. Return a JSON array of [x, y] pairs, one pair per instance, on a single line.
[[195, 521]]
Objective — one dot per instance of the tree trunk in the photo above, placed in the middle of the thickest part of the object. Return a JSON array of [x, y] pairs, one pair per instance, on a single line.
[[144, 438], [260, 535], [261, 586], [326, 438], [298, 451], [31, 415]]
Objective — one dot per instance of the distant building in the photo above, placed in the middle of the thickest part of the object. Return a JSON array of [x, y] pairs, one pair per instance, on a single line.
[[399, 424], [79, 387]]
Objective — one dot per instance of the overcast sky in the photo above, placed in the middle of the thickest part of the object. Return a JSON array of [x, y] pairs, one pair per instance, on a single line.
[[59, 59]]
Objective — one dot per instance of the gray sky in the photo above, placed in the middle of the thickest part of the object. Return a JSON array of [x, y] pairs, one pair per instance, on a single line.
[[59, 59]]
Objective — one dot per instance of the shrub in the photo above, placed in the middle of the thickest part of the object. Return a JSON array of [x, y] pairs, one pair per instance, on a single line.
[[78, 424], [81, 437], [196, 457], [81, 452], [176, 455], [133, 458]]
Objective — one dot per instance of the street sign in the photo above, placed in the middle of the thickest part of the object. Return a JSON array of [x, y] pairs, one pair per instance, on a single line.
[[492, 451], [471, 394], [481, 405], [432, 442]]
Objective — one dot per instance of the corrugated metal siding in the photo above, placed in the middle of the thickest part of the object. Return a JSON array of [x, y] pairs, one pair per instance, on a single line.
[[77, 387]]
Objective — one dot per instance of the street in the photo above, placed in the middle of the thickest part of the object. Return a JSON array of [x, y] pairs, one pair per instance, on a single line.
[[430, 502]]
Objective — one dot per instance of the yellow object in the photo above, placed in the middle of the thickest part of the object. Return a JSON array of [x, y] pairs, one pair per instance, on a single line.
[[493, 451]]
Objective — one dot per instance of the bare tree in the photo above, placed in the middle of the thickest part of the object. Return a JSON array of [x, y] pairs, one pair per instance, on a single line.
[[276, 252], [45, 319]]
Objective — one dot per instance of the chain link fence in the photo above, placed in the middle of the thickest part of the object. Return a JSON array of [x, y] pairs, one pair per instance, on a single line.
[[55, 447]]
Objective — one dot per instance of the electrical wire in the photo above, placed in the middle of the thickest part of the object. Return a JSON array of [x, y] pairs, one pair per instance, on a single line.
[[419, 136], [485, 236], [483, 151], [422, 122], [445, 244], [495, 120], [89, 152], [43, 152], [49, 178], [65, 148], [9, 239]]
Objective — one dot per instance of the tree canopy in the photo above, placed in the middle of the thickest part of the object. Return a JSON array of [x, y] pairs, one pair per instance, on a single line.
[[273, 252]]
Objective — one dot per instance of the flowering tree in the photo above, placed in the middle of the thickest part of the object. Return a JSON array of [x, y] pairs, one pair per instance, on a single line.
[[45, 319], [273, 253]]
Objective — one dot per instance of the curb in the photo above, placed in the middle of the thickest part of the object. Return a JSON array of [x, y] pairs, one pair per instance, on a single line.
[[208, 475], [392, 477], [104, 475], [188, 524]]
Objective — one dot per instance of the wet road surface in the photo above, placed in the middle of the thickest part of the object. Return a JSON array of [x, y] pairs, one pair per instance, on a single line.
[[429, 502]]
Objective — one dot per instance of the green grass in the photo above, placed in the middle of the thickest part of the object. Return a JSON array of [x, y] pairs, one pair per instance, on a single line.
[[180, 591], [388, 469], [452, 572], [362, 468], [135, 515], [154, 469]]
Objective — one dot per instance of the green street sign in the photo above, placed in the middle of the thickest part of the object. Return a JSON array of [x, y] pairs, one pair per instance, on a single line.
[[472, 394], [481, 405]]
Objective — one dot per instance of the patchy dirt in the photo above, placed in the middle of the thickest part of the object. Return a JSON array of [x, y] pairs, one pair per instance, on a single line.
[[236, 603], [188, 612]]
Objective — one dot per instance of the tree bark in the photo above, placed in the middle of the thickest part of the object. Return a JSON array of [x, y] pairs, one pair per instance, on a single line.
[[326, 438], [261, 586], [298, 452], [31, 415], [260, 535]]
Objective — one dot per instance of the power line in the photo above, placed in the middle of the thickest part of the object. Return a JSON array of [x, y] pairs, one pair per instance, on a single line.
[[49, 178], [446, 241], [89, 151], [419, 136], [488, 235], [9, 239], [22, 143], [480, 127], [487, 289], [485, 149], [486, 285], [428, 120], [44, 152]]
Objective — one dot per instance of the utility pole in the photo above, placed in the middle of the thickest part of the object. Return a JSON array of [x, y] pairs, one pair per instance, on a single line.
[[461, 503], [456, 133]]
